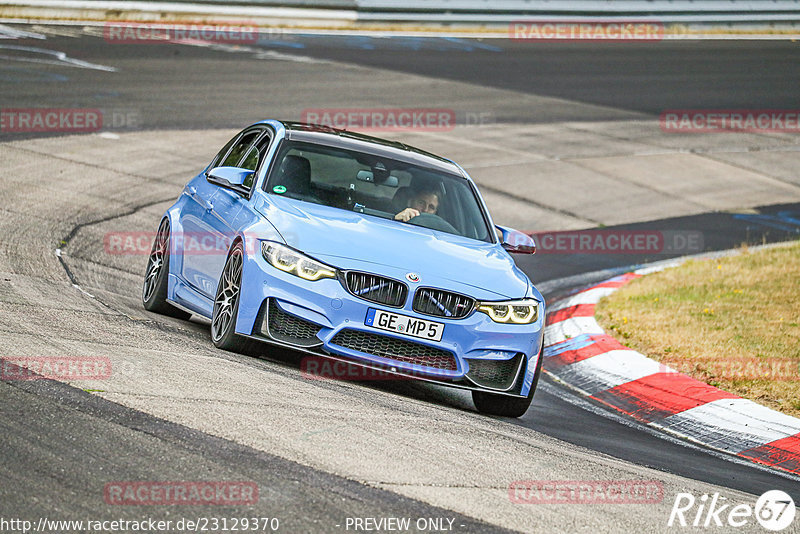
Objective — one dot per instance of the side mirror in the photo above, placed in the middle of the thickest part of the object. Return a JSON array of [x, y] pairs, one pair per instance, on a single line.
[[515, 241], [233, 178]]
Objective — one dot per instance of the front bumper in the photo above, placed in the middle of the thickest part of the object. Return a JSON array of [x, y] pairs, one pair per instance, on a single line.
[[323, 318]]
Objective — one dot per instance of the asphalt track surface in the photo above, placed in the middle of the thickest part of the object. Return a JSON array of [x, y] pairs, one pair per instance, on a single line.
[[50, 430], [644, 77]]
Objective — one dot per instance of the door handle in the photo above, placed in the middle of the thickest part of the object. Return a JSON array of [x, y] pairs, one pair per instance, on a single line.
[[209, 205]]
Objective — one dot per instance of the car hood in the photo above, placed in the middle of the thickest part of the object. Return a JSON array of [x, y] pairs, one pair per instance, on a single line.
[[350, 240]]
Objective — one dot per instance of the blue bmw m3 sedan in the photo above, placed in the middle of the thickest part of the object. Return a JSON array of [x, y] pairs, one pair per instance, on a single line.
[[355, 249]]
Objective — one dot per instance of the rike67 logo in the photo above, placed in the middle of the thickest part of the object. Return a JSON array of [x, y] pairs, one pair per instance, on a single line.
[[774, 510]]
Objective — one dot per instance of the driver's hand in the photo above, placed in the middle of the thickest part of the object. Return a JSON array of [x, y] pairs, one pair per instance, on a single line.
[[407, 214]]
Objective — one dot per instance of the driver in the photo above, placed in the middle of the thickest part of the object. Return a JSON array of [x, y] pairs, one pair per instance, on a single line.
[[424, 201]]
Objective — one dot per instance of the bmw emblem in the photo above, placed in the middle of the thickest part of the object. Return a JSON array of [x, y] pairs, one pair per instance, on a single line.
[[412, 277]]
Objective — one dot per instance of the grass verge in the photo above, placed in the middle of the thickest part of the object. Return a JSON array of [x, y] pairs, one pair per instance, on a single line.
[[733, 323]]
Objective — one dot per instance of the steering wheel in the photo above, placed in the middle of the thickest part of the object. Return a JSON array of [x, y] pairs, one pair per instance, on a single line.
[[434, 222]]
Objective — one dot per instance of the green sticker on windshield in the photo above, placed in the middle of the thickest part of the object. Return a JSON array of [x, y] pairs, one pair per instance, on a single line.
[[279, 189]]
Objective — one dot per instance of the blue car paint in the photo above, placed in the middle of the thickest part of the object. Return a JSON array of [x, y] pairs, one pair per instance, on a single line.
[[348, 241], [329, 233]]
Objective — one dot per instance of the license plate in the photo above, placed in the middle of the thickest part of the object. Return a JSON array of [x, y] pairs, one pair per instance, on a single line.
[[403, 324]]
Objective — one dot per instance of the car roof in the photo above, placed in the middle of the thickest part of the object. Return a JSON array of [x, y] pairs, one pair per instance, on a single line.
[[324, 135]]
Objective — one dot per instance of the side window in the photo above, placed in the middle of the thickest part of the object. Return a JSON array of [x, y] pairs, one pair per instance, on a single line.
[[244, 151], [240, 149], [250, 161], [254, 156], [216, 162]]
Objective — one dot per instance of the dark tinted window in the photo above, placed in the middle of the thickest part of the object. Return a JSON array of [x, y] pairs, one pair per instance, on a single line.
[[254, 156], [240, 149], [250, 161], [221, 154]]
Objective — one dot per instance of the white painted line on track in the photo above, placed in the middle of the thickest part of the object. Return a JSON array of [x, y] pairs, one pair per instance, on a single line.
[[61, 58], [15, 33], [258, 53]]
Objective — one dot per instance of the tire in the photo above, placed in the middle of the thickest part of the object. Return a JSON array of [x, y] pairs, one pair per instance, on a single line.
[[154, 288], [503, 405], [226, 304]]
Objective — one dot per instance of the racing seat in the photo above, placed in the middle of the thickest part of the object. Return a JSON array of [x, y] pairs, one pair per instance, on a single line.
[[295, 175]]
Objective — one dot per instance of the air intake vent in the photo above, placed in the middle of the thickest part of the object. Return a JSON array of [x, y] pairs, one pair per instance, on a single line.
[[442, 303], [376, 288], [395, 349], [495, 374], [287, 328]]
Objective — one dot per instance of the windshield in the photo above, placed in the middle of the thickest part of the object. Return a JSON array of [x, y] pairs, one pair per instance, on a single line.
[[379, 187]]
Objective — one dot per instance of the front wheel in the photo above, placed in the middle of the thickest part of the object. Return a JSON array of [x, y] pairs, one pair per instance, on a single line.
[[226, 303], [503, 405]]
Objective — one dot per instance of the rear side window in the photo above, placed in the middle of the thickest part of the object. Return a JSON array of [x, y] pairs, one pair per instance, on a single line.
[[240, 149], [246, 151], [250, 161], [222, 153]]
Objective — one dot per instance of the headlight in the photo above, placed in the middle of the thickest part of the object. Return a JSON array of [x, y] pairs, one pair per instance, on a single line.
[[289, 260], [525, 311]]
